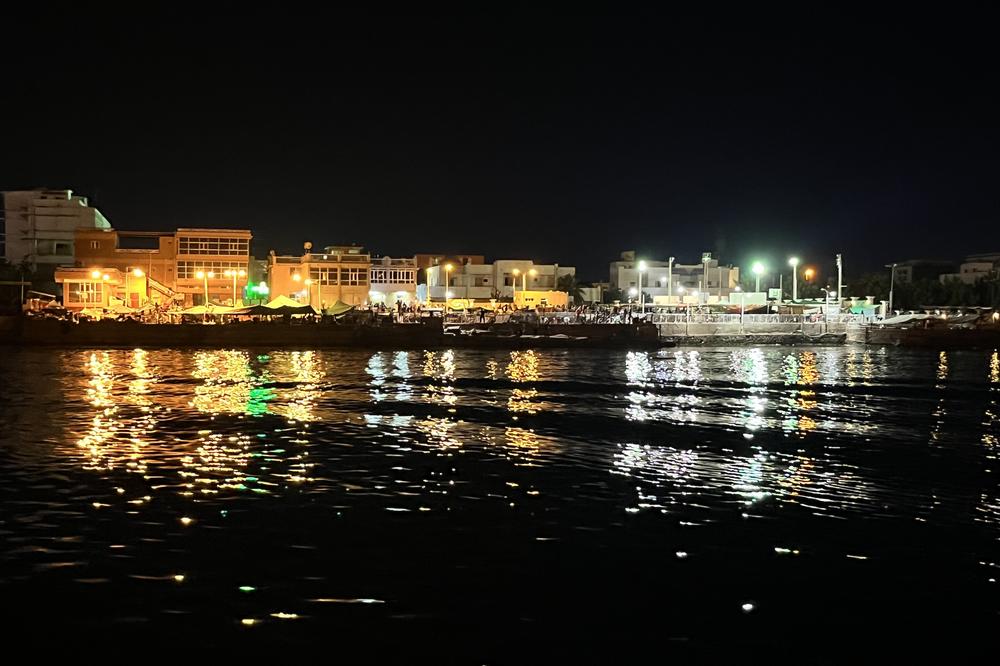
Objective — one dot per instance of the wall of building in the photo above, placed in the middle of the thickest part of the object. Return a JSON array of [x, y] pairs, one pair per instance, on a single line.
[[496, 280], [211, 251], [393, 280], [333, 277], [40, 225]]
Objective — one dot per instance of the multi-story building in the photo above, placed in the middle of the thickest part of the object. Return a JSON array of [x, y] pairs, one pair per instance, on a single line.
[[338, 273], [208, 260], [975, 267], [922, 269], [179, 265], [393, 280], [425, 261], [667, 281], [497, 280], [39, 227]]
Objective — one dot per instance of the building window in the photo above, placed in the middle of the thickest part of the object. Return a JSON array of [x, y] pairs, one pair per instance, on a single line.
[[323, 276], [213, 246], [188, 270], [62, 249], [353, 277], [95, 245], [86, 293]]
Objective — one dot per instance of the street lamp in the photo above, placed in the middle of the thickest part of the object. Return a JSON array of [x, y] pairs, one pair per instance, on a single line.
[[892, 283], [515, 272], [524, 278], [309, 290], [233, 273], [758, 270], [642, 303], [794, 263], [448, 268], [202, 275]]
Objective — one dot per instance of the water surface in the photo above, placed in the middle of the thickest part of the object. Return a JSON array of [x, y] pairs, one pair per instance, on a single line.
[[503, 506]]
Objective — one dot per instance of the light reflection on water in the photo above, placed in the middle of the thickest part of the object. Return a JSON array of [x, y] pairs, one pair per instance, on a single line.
[[186, 441]]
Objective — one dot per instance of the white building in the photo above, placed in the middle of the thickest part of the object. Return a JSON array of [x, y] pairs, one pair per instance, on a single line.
[[393, 280], [665, 279], [974, 268], [498, 280], [39, 225]]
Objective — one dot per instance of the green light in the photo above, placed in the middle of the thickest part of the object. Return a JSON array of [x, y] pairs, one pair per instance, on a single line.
[[247, 588]]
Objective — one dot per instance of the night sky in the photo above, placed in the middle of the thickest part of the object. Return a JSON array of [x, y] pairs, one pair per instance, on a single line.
[[553, 137]]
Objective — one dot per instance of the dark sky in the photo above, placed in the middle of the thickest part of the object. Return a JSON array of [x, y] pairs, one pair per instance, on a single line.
[[554, 137]]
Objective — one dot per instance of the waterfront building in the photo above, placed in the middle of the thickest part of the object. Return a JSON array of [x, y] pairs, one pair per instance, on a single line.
[[393, 280], [712, 280], [497, 280], [178, 265], [338, 273], [427, 260], [38, 227], [975, 267], [922, 269]]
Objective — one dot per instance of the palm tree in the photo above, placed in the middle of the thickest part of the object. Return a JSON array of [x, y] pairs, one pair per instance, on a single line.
[[569, 284]]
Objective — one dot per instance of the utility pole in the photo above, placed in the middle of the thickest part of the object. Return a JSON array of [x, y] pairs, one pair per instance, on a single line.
[[892, 283], [670, 277], [840, 279]]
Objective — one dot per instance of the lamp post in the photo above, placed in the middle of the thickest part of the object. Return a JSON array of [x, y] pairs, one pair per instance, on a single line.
[[447, 284], [642, 299], [840, 277], [137, 272], [515, 272], [758, 270], [234, 274], [204, 276], [892, 283], [670, 276], [794, 263], [524, 278], [743, 299]]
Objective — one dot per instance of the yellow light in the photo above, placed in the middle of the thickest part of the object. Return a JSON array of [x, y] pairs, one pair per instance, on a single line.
[[248, 621], [448, 267], [532, 272], [200, 274], [308, 281], [137, 272], [95, 274], [296, 277], [516, 271], [186, 521], [105, 277], [179, 578], [227, 273], [211, 274], [242, 273], [809, 273]]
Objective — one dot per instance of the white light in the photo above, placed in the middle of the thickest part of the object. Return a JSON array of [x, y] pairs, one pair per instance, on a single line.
[[738, 288], [747, 607], [680, 290], [449, 295], [758, 268], [633, 291], [642, 265], [793, 262]]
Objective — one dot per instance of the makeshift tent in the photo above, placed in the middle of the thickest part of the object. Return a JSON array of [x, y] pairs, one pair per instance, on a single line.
[[285, 302], [338, 308]]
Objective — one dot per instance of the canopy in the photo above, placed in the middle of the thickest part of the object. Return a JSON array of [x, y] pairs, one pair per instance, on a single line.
[[95, 313], [285, 302], [338, 308]]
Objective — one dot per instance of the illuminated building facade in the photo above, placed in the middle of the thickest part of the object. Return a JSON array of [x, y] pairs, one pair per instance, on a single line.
[[338, 273]]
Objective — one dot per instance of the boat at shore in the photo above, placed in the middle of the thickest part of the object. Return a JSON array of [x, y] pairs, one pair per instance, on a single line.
[[928, 331]]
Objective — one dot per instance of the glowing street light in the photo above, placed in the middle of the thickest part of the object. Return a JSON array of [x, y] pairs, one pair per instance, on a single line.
[[137, 272], [309, 283], [808, 274], [524, 278], [515, 272], [758, 270], [95, 274], [233, 273], [794, 263], [448, 268], [202, 275]]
